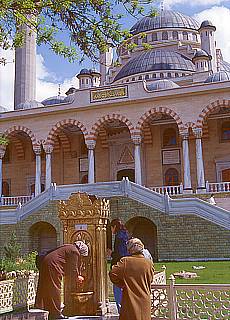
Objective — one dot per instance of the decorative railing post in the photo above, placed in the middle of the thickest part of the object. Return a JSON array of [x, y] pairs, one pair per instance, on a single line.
[[172, 299]]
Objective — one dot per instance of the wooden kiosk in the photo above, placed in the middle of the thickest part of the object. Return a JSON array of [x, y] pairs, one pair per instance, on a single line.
[[85, 218]]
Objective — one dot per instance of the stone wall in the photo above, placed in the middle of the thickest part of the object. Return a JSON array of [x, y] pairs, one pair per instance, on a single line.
[[177, 237]]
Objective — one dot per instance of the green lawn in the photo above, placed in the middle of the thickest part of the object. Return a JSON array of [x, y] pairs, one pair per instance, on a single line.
[[214, 272]]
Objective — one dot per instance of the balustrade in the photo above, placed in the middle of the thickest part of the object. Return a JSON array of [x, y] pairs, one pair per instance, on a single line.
[[14, 201], [218, 187], [171, 190]]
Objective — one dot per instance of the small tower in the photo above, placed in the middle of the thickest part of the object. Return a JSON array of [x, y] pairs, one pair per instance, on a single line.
[[106, 60], [201, 60], [84, 79], [207, 34], [25, 69], [96, 77]]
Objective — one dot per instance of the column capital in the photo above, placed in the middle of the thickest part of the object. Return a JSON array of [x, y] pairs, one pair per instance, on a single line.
[[91, 144], [197, 133], [48, 148], [184, 133], [2, 151], [37, 149], [136, 139]]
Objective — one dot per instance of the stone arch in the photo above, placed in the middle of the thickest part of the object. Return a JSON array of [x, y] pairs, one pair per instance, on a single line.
[[58, 126], [164, 110], [43, 236], [144, 229], [210, 108], [114, 116], [15, 129]]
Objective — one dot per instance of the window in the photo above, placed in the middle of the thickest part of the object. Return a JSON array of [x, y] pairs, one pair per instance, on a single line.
[[154, 75], [169, 75], [194, 37], [5, 188], [171, 177], [185, 35], [84, 179], [164, 35], [133, 79], [154, 37], [144, 40], [169, 137], [176, 74], [161, 75], [135, 40], [140, 78], [147, 77], [175, 35], [225, 131]]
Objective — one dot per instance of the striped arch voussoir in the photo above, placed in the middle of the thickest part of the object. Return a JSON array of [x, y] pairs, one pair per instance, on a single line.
[[96, 127], [58, 127], [16, 129], [210, 108], [163, 110]]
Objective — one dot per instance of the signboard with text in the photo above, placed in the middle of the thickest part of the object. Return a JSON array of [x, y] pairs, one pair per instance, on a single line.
[[171, 156], [108, 94]]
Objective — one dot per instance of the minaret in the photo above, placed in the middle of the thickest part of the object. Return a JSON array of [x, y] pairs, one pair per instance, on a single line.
[[25, 69], [106, 60], [207, 34]]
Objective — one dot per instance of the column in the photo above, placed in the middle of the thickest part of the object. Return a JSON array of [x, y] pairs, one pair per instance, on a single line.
[[48, 151], [91, 160], [137, 154], [199, 159], [37, 151], [186, 162], [2, 153]]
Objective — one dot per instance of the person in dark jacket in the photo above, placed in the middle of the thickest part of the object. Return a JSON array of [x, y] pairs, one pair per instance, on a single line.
[[54, 266], [119, 251]]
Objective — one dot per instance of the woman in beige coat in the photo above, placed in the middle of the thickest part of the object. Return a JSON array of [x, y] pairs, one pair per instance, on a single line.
[[134, 274]]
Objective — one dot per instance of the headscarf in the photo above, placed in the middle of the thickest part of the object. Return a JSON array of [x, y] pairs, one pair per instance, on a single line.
[[82, 247], [135, 246]]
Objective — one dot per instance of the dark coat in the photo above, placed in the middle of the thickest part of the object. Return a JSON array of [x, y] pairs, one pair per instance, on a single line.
[[54, 266], [134, 274], [120, 246]]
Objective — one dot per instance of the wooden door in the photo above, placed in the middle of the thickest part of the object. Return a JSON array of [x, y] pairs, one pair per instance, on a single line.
[[226, 175]]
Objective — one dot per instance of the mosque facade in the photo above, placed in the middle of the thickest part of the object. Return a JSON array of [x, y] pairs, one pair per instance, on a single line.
[[158, 114]]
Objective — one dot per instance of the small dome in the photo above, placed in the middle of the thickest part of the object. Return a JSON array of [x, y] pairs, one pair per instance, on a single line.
[[54, 100], [84, 71], [69, 98], [207, 24], [165, 19], [218, 77], [156, 60], [94, 72], [29, 105], [224, 66], [163, 84], [3, 109], [201, 53]]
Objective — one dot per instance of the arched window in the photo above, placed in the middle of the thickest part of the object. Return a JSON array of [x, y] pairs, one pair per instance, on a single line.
[[171, 177], [84, 179], [140, 78], [169, 75], [175, 35], [154, 75], [165, 35], [176, 74], [225, 131], [169, 137], [146, 76], [185, 35], [154, 37], [194, 37], [161, 75]]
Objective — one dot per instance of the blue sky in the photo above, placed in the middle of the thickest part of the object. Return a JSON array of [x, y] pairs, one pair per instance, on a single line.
[[52, 69]]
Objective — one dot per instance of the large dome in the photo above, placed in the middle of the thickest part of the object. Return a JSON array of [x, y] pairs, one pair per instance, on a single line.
[[156, 60], [165, 19], [53, 100]]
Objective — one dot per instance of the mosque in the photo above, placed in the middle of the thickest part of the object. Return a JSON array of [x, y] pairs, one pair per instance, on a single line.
[[150, 131]]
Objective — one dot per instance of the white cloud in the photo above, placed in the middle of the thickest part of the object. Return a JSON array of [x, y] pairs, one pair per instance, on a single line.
[[220, 17], [194, 3], [46, 82]]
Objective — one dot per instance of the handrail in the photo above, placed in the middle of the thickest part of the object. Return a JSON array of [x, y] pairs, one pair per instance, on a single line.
[[214, 187], [125, 188]]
